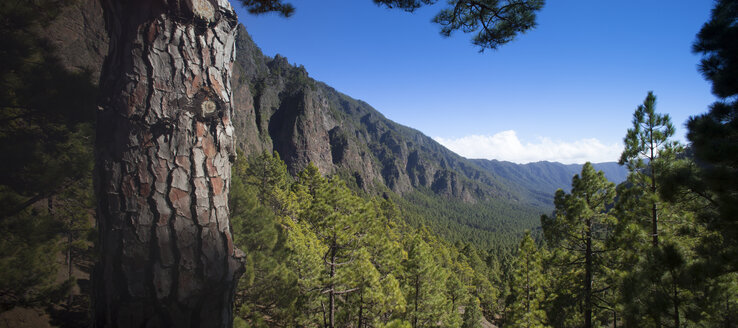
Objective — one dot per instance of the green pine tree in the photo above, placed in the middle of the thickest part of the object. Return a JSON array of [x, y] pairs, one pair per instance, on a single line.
[[339, 220], [714, 135], [494, 22], [645, 144], [580, 225], [46, 138], [472, 314], [528, 286], [267, 291], [425, 289]]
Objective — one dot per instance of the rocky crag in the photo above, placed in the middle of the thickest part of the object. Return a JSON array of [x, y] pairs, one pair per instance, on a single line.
[[278, 107]]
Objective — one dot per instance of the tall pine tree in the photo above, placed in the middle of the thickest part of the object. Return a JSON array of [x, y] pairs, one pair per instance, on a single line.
[[645, 143], [579, 225], [528, 286], [424, 281], [714, 135]]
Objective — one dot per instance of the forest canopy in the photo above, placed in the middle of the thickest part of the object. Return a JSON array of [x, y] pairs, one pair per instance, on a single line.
[[657, 250]]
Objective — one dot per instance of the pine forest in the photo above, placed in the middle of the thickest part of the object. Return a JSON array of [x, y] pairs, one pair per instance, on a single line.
[[158, 170]]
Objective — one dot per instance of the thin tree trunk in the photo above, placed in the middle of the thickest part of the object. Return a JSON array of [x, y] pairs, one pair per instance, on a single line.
[[614, 319], [527, 284], [332, 293], [654, 217], [361, 308], [676, 306], [163, 163], [417, 299], [69, 254], [69, 264], [588, 278]]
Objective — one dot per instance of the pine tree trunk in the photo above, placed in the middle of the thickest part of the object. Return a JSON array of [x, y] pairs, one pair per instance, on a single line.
[[588, 277], [527, 285], [361, 309], [654, 214], [69, 264], [164, 151], [614, 319], [332, 292], [417, 299], [676, 306]]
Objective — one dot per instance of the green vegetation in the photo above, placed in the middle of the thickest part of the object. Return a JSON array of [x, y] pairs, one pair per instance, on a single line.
[[323, 256], [659, 249], [647, 145], [491, 225], [714, 135], [577, 231], [528, 283], [46, 143]]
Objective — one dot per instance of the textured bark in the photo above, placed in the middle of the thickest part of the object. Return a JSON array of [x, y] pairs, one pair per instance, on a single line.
[[164, 150]]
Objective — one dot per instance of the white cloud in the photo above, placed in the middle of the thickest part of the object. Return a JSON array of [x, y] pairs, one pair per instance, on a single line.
[[506, 146]]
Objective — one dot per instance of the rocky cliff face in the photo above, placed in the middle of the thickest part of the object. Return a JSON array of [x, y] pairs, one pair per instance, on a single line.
[[80, 37], [278, 107]]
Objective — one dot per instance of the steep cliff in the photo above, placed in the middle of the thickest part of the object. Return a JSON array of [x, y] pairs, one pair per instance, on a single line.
[[79, 36], [278, 107]]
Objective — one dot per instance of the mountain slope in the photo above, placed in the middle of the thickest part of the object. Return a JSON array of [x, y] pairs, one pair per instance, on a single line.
[[280, 108], [542, 179]]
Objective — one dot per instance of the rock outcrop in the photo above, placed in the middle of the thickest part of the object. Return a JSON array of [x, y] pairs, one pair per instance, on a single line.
[[79, 36], [278, 107]]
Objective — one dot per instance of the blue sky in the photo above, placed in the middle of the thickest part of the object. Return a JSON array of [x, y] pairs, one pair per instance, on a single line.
[[565, 91]]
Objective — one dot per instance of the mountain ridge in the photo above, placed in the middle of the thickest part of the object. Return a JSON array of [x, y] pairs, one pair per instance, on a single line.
[[279, 107], [309, 121], [408, 164]]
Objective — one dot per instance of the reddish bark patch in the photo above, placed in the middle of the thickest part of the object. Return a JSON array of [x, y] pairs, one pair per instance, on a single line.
[[200, 129], [215, 82], [194, 86], [229, 242], [181, 202], [163, 220], [183, 162], [153, 30], [212, 172], [217, 184], [208, 147]]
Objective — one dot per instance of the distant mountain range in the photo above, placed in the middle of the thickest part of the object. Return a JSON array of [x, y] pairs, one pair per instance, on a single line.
[[542, 179], [280, 108]]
